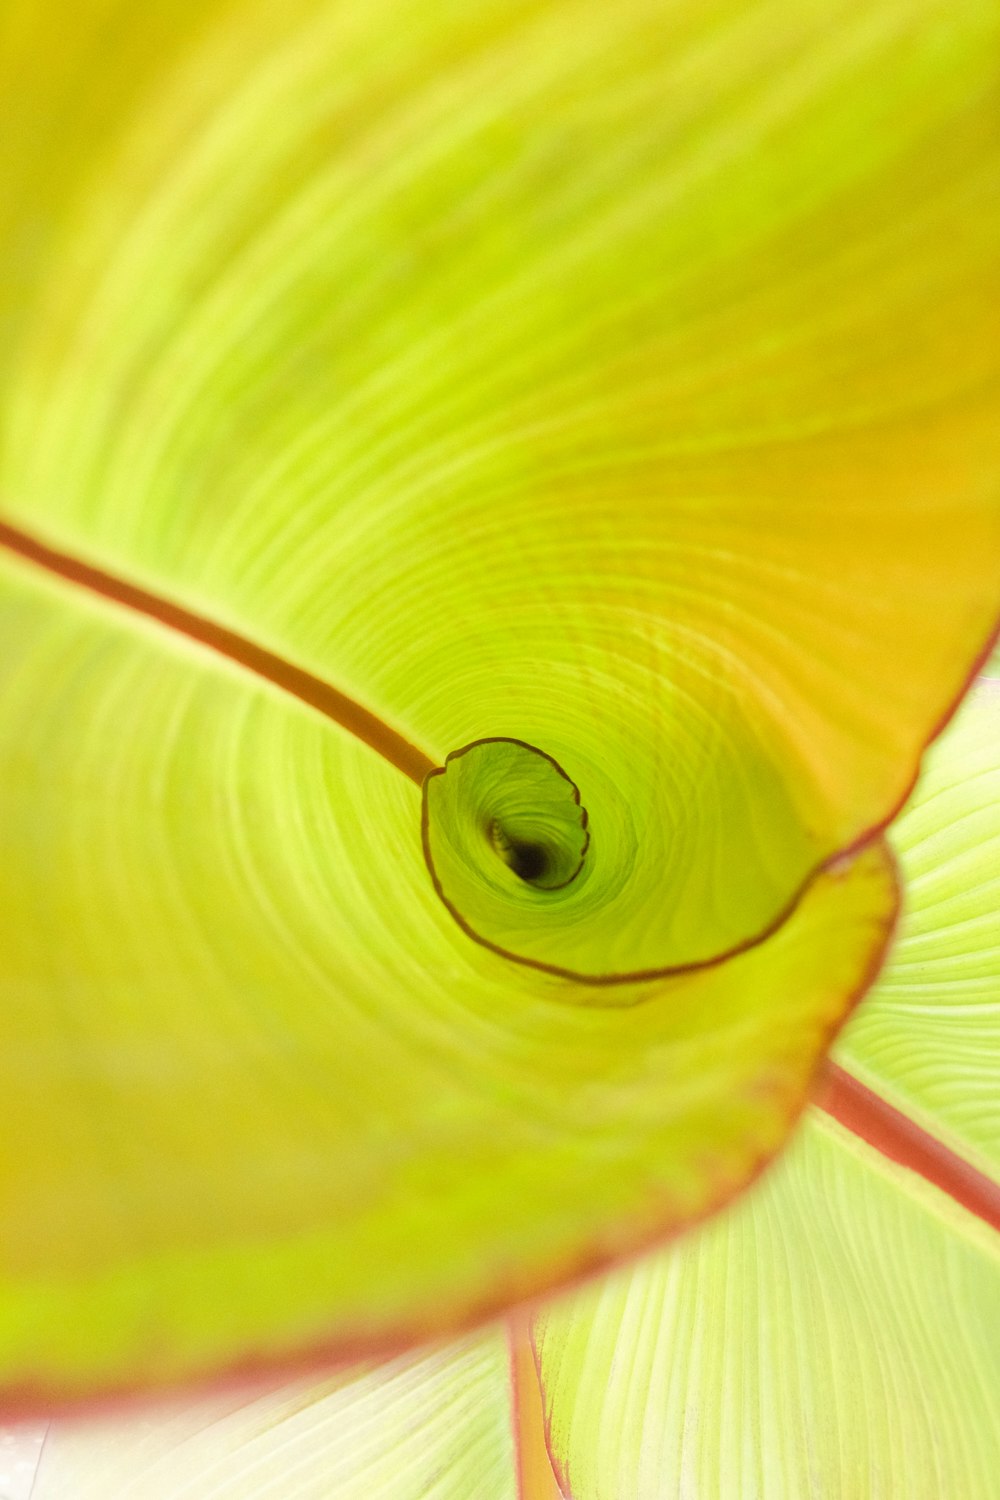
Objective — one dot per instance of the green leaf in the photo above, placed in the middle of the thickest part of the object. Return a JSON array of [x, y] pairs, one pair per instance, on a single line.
[[262, 1082], [927, 1039], [604, 378], [832, 1335], [608, 380]]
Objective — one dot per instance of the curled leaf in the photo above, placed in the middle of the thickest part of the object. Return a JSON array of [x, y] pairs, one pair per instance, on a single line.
[[608, 381]]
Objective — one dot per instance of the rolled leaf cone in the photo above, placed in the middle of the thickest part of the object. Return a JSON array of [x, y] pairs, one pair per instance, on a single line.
[[834, 1334], [830, 1335], [386, 390]]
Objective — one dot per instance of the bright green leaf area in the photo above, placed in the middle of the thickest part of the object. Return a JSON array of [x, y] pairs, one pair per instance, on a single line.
[[831, 1337], [603, 377], [259, 1080], [619, 380], [928, 1038], [828, 1338]]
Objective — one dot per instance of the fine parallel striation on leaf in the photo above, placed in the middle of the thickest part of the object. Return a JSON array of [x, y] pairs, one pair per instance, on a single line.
[[602, 378], [265, 1093], [830, 1336], [927, 1038], [431, 1427], [619, 382]]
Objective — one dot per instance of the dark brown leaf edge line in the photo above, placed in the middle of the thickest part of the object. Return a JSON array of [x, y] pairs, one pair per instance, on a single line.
[[506, 739], [839, 857], [597, 981], [415, 763]]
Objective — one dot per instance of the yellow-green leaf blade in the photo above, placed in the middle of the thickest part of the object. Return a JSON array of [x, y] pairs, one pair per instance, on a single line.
[[928, 1035], [265, 1096], [830, 1337], [619, 379]]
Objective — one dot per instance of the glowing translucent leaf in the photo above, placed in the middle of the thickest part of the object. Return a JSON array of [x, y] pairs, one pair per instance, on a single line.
[[834, 1334], [262, 1092], [928, 1037], [620, 380], [830, 1336], [616, 378], [429, 1427]]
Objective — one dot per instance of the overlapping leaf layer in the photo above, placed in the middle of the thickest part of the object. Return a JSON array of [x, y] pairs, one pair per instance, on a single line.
[[619, 381]]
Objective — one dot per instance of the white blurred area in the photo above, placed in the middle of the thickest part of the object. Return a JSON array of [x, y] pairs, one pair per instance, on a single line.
[[20, 1450]]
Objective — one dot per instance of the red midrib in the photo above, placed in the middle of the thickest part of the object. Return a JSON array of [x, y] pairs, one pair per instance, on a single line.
[[536, 1478], [345, 711], [842, 1095], [896, 1136]]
